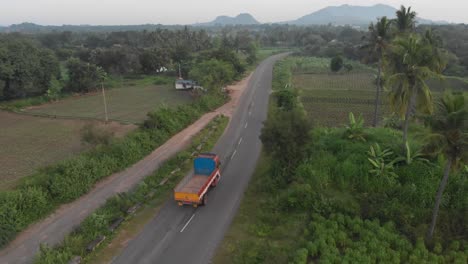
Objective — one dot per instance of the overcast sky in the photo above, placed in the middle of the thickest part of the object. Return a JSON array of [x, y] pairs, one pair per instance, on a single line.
[[112, 12]]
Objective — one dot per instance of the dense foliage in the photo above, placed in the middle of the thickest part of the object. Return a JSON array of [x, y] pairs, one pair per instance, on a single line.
[[341, 238], [82, 77], [212, 73], [28, 63], [25, 68]]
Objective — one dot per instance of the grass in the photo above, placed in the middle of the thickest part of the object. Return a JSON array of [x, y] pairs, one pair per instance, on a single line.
[[28, 143], [328, 98], [129, 104]]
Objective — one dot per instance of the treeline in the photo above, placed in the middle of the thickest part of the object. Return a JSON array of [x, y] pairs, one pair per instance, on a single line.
[[330, 41], [455, 40], [31, 65]]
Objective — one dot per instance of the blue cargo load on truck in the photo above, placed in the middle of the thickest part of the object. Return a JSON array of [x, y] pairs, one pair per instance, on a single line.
[[204, 165]]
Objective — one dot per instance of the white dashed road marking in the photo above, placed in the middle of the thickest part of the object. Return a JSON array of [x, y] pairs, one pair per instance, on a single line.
[[186, 224]]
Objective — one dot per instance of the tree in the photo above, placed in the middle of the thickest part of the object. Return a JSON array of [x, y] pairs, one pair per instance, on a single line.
[[286, 99], [117, 60], [285, 135], [405, 20], [449, 137], [228, 55], [152, 60], [251, 51], [379, 38], [212, 74], [336, 64], [83, 77], [435, 42], [411, 62], [55, 88], [25, 69]]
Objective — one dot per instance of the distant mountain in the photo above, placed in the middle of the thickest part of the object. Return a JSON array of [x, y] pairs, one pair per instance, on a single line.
[[351, 15], [241, 19]]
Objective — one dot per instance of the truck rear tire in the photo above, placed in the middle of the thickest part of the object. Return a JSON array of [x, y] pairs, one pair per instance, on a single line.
[[205, 199]]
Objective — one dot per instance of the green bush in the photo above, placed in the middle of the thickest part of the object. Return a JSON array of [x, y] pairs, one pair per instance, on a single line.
[[300, 257], [336, 64]]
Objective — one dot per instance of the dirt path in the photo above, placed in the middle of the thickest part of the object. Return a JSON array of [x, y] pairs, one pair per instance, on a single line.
[[54, 228]]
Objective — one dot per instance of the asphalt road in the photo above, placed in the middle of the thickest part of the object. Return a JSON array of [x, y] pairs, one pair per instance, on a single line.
[[189, 235]]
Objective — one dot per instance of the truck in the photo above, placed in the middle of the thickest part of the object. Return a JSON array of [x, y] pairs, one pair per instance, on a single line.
[[193, 189], [181, 84]]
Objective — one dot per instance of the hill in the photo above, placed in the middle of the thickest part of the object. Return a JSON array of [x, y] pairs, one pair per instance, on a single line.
[[241, 19], [351, 15]]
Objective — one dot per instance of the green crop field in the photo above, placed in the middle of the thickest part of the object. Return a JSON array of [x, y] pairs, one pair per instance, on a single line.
[[328, 97], [28, 143], [129, 104]]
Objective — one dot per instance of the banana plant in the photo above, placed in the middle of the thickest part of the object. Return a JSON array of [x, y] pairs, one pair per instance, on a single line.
[[412, 156], [355, 128], [382, 164]]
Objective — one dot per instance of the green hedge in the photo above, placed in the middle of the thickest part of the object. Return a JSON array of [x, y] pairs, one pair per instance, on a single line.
[[44, 191], [116, 207]]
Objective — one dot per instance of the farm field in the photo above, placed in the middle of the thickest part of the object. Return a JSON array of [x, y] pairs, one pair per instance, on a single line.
[[328, 98], [129, 104], [28, 143]]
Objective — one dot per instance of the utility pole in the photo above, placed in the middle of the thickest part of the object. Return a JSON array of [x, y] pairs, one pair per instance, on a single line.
[[102, 76], [180, 73], [104, 98]]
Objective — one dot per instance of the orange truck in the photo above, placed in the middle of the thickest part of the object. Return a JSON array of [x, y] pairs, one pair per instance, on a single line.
[[193, 189]]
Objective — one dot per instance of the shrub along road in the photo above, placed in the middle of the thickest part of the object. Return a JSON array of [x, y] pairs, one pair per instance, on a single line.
[[54, 228], [187, 235]]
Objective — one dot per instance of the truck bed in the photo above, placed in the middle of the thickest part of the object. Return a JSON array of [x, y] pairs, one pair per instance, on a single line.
[[193, 185]]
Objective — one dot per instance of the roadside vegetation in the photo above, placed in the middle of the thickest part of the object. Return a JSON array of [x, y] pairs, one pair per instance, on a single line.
[[352, 193], [151, 192]]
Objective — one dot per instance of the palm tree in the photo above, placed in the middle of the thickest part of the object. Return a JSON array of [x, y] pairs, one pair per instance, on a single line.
[[405, 21], [436, 43], [449, 136], [411, 62], [379, 38]]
